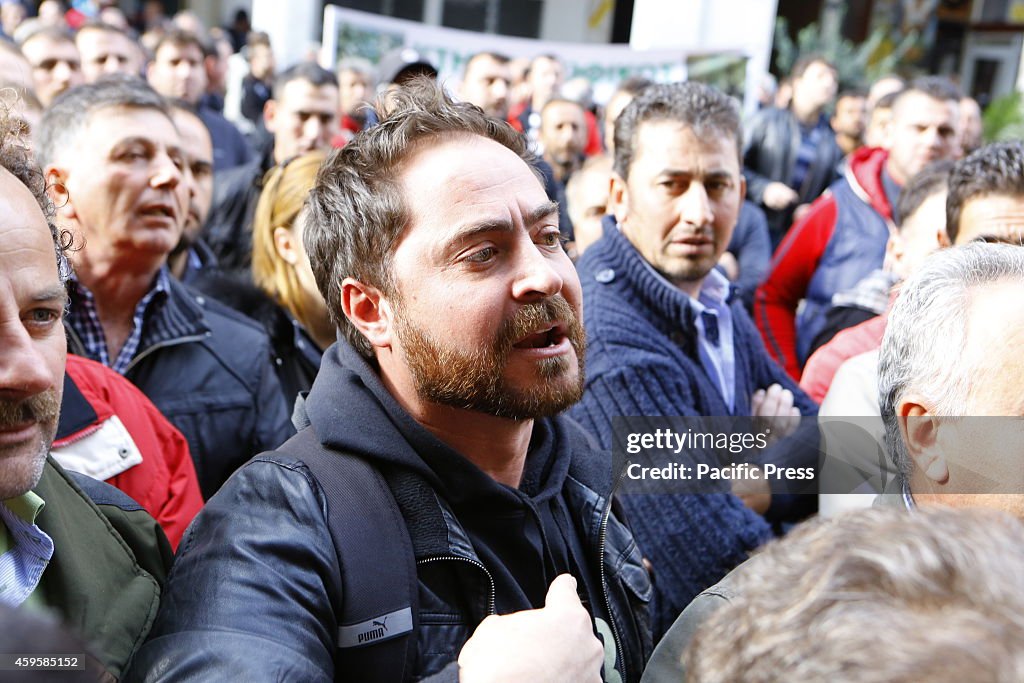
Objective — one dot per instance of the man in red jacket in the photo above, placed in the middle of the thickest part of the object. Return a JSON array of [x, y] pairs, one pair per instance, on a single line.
[[842, 238], [110, 431]]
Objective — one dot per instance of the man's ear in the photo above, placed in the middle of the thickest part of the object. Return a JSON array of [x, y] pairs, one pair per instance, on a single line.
[[920, 430], [942, 237], [368, 310], [269, 114], [743, 187], [618, 199], [57, 190]]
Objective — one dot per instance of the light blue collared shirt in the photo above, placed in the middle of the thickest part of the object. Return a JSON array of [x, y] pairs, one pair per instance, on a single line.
[[711, 308], [28, 550]]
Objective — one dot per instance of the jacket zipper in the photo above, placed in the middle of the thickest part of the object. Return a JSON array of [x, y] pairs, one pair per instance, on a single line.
[[155, 347], [602, 538], [80, 347], [490, 578], [78, 436]]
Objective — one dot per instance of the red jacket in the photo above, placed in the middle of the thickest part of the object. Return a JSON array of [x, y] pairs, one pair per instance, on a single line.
[[823, 364], [111, 431], [797, 259]]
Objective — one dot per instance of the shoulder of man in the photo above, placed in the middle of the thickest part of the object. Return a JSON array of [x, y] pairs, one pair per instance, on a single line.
[[666, 661], [113, 561], [226, 324], [131, 521]]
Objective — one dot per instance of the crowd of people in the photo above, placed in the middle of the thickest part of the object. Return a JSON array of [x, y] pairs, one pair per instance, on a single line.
[[317, 374]]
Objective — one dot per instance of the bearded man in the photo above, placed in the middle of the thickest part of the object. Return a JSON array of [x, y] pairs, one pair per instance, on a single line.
[[438, 253]]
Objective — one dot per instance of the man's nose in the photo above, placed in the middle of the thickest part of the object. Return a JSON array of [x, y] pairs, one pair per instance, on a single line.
[[166, 172], [24, 370], [313, 130], [499, 90], [61, 72], [695, 207], [536, 278]]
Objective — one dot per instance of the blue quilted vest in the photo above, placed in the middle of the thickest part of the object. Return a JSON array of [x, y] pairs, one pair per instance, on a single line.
[[857, 247]]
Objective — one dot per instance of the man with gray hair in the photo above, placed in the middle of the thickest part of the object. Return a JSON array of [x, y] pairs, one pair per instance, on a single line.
[[489, 548], [875, 595], [963, 304], [114, 159], [668, 335], [942, 433]]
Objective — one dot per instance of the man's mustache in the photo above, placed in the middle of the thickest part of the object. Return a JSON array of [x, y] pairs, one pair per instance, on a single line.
[[43, 407], [531, 317]]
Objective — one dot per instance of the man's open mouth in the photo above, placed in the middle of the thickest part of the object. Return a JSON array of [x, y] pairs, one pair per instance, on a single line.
[[549, 336]]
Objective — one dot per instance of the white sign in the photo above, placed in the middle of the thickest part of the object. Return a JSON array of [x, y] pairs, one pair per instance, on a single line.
[[349, 33]]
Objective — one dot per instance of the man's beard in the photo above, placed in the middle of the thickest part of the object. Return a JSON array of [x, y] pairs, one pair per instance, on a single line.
[[19, 474], [474, 380]]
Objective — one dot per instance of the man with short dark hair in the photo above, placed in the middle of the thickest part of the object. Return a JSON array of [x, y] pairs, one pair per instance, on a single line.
[[790, 154], [563, 132], [667, 335], [68, 543], [970, 129], [178, 70], [56, 64], [843, 236], [437, 252], [302, 116], [257, 83], [106, 50], [112, 153], [192, 254], [544, 77], [486, 82], [986, 196], [850, 120], [355, 90]]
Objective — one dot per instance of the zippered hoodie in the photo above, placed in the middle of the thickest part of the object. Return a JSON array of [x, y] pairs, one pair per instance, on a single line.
[[479, 546]]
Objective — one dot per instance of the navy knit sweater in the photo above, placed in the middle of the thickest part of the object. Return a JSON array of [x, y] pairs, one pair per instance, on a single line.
[[642, 359]]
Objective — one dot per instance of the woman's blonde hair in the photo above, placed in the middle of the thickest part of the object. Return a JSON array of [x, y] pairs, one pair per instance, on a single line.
[[285, 188]]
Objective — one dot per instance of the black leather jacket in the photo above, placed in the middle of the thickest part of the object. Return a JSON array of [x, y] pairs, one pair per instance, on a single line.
[[771, 142], [249, 597]]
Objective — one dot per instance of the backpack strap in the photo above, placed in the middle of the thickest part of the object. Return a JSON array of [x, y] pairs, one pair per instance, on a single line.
[[378, 617]]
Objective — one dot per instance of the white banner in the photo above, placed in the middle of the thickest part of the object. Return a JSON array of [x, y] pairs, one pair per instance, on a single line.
[[349, 33]]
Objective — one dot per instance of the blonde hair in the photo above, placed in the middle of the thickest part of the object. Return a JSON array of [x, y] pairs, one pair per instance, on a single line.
[[285, 188]]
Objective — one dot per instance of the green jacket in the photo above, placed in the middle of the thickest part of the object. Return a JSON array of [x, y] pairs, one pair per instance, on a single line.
[[110, 560]]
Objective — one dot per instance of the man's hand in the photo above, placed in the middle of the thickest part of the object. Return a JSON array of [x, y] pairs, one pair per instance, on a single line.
[[778, 196], [774, 410], [555, 643]]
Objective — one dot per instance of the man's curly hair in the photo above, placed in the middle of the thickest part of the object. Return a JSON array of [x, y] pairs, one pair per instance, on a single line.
[[16, 157]]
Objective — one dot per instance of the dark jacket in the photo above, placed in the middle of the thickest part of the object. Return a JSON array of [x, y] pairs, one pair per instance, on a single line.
[[228, 228], [642, 359], [110, 560], [296, 356], [263, 540], [771, 142], [207, 368], [230, 148], [752, 246]]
